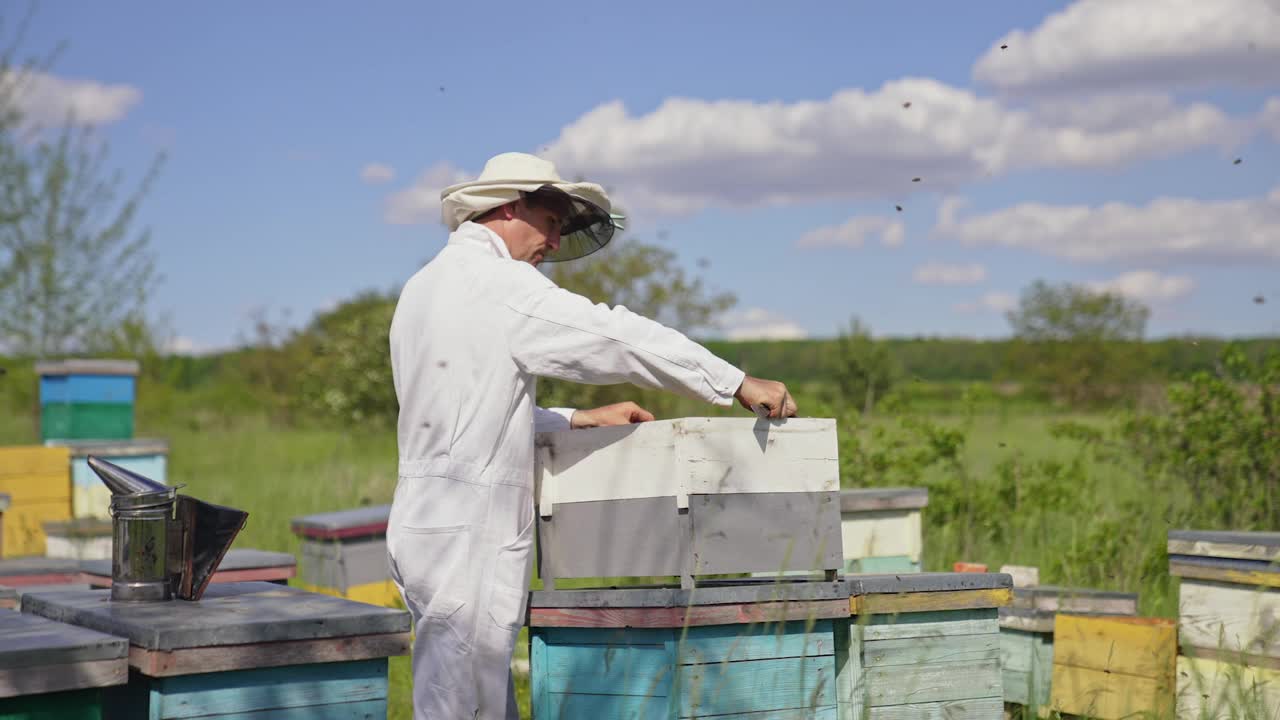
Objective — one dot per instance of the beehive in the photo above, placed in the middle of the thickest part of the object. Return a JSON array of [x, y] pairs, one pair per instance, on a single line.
[[344, 553], [90, 498], [52, 670], [1113, 667], [1228, 622], [688, 497], [87, 399], [923, 645], [249, 649], [38, 483], [1026, 635], [727, 648], [882, 529], [78, 539]]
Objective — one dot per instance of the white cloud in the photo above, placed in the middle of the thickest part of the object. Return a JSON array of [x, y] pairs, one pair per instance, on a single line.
[[1119, 44], [689, 154], [854, 233], [1164, 229], [1147, 285], [182, 345], [420, 202], [943, 274], [377, 173], [48, 99], [761, 324], [1270, 117], [999, 302]]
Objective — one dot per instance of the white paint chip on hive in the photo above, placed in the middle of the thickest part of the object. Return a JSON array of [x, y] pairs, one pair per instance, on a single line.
[[687, 456]]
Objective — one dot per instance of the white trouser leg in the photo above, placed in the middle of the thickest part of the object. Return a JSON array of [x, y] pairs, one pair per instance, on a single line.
[[461, 556]]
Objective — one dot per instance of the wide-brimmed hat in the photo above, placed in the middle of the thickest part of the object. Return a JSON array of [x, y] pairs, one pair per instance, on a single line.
[[509, 176]]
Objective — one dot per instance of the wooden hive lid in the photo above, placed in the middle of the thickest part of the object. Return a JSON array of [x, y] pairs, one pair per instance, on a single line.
[[33, 642], [244, 613], [1253, 573], [113, 448], [868, 499], [87, 367], [1225, 544], [358, 522]]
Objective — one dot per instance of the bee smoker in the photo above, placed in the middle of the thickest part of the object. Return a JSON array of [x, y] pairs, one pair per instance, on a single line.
[[163, 544]]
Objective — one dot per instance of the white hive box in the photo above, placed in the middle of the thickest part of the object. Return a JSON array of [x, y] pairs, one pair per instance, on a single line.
[[688, 497]]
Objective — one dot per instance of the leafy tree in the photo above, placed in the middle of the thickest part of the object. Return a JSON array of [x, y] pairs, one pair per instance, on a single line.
[[345, 361], [72, 270], [865, 368], [1082, 343]]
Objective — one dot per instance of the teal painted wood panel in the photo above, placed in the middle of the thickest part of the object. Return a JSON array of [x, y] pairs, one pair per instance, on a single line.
[[734, 643], [824, 713], [260, 690], [906, 684], [985, 621], [757, 685], [991, 708], [882, 565], [595, 669], [927, 651], [364, 710], [616, 637], [87, 389], [603, 707], [1026, 659], [70, 705]]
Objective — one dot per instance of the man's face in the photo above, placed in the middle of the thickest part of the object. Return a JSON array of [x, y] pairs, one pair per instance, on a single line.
[[534, 232]]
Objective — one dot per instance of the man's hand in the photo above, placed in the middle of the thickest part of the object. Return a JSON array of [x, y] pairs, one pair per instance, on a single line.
[[623, 413], [770, 394]]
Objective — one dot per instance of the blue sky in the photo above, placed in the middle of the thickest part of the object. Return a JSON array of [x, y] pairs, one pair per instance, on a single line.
[[306, 143]]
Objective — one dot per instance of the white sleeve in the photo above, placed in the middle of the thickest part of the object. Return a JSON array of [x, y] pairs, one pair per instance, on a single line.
[[551, 419], [555, 333]]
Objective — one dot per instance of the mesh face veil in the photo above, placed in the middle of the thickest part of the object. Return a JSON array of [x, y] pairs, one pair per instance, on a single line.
[[585, 228]]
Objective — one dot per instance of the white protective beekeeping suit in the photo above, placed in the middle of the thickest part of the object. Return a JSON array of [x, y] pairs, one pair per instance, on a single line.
[[472, 331]]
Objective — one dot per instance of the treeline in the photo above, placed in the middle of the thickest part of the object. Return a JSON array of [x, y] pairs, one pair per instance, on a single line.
[[968, 360]]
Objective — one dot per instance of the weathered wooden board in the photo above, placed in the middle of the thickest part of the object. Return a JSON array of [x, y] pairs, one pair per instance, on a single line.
[[683, 457], [39, 656], [344, 524], [8, 597], [342, 565], [928, 625], [752, 671], [1214, 690], [858, 500], [1263, 546], [608, 538], [913, 602], [219, 658], [880, 533], [23, 571], [691, 616], [38, 483], [87, 366], [1214, 615], [1026, 664], [712, 593], [228, 614], [989, 708], [765, 532], [1077, 601], [325, 690], [925, 582], [1113, 667], [1255, 573]]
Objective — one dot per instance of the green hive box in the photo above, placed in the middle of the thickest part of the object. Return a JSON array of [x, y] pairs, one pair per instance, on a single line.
[[87, 399]]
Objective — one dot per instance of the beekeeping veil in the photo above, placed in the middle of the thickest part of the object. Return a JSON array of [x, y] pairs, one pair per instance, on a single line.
[[588, 224]]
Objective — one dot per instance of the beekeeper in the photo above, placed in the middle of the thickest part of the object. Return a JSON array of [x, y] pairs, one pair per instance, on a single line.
[[472, 332]]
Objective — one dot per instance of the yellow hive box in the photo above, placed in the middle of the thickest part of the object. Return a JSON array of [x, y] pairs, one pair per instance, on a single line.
[[38, 482], [1114, 667]]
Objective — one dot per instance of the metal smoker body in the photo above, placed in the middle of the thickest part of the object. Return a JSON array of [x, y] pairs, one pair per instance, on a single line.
[[163, 545]]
